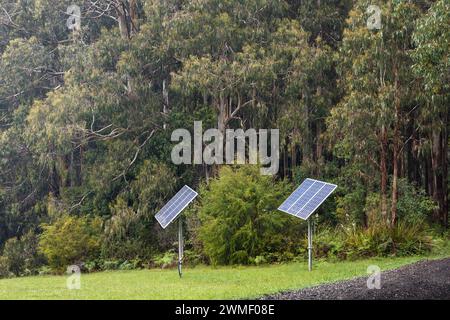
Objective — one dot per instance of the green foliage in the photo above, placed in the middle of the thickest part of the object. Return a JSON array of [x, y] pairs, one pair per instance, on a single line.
[[202, 282], [154, 183], [85, 125], [372, 210], [70, 240], [105, 265], [350, 207], [414, 206], [431, 55], [239, 217], [355, 242], [131, 230], [165, 260], [122, 232], [4, 268], [20, 256]]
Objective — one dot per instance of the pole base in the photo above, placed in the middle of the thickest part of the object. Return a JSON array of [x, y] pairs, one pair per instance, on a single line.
[[180, 272]]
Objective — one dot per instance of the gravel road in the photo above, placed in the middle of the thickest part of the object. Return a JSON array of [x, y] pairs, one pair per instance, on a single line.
[[428, 279]]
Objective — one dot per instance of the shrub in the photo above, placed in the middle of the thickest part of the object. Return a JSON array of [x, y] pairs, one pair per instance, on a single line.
[[411, 239], [70, 240], [404, 239], [353, 242], [259, 260], [414, 206], [192, 258], [349, 208], [328, 243], [165, 260], [132, 232], [4, 269], [372, 210], [104, 265], [111, 265], [20, 256], [239, 216], [45, 270], [14, 257], [122, 233]]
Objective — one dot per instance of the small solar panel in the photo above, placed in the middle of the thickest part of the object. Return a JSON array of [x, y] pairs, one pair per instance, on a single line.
[[307, 198], [175, 206]]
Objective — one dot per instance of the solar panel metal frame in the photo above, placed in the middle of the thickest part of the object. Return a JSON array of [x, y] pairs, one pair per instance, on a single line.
[[303, 188], [165, 211]]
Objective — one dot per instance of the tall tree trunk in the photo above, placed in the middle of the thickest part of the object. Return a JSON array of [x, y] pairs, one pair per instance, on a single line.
[[444, 208], [394, 188], [285, 158], [294, 154], [384, 173], [165, 102], [439, 173], [223, 113], [307, 156], [319, 147], [133, 17], [444, 146], [428, 175], [123, 19], [396, 147]]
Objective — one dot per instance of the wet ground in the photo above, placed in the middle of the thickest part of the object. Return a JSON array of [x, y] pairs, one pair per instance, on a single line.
[[422, 280]]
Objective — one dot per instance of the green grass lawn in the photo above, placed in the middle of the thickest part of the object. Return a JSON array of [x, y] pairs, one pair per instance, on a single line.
[[198, 283]]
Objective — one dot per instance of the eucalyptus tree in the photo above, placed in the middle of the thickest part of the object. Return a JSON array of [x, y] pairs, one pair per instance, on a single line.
[[306, 91], [432, 65], [219, 45], [376, 76]]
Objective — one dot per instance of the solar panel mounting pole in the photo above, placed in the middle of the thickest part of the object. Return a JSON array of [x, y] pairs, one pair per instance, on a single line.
[[180, 247], [304, 201], [171, 211], [310, 235]]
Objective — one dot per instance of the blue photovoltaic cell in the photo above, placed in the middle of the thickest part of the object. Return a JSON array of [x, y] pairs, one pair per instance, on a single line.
[[307, 198], [294, 196], [174, 207], [308, 195], [316, 201]]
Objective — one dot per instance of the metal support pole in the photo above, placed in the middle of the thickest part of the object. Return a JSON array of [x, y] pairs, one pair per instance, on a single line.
[[310, 247], [180, 247]]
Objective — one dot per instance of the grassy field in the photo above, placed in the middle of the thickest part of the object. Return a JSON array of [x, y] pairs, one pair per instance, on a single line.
[[198, 283]]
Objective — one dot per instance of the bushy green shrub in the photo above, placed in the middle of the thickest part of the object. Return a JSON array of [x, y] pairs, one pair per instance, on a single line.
[[414, 206], [20, 256], [103, 265], [4, 269], [192, 258], [372, 211], [411, 239], [110, 265], [260, 260], [239, 217], [355, 242], [71, 240], [132, 232], [45, 270], [328, 243], [165, 260], [350, 207], [14, 257], [122, 234]]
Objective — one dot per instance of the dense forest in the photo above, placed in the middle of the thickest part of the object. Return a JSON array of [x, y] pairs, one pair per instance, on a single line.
[[88, 105]]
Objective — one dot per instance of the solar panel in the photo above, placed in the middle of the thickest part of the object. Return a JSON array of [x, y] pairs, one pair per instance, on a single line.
[[307, 198], [175, 206]]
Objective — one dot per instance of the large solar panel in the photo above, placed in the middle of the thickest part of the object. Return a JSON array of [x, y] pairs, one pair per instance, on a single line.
[[307, 198], [175, 206]]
